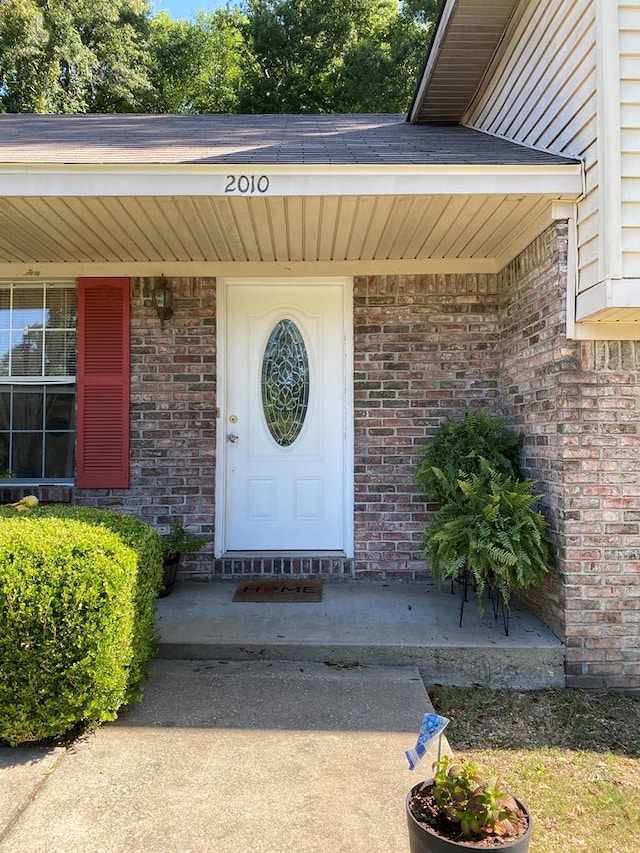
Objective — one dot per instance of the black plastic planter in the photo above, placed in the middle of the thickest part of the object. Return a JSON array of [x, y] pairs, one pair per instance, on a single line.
[[422, 840], [170, 571]]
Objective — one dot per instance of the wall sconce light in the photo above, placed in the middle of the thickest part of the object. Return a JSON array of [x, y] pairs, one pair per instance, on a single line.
[[162, 300]]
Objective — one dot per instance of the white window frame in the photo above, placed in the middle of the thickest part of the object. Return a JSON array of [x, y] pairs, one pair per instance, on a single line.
[[42, 380]]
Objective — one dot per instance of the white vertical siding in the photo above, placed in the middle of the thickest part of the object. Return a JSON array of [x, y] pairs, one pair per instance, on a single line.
[[541, 90], [629, 25]]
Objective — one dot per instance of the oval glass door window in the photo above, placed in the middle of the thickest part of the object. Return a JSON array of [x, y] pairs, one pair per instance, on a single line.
[[285, 382]]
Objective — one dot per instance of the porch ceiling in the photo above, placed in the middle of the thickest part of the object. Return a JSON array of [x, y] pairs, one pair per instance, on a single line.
[[477, 231], [215, 195]]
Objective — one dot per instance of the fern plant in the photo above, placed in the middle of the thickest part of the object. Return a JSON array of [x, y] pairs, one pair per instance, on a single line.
[[489, 533], [459, 447]]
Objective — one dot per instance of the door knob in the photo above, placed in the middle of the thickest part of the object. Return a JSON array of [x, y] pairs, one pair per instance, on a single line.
[[233, 438]]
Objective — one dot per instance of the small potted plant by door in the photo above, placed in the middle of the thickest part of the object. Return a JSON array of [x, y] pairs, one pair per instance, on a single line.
[[178, 542], [459, 810]]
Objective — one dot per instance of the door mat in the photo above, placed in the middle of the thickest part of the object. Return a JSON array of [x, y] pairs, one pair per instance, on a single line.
[[279, 592]]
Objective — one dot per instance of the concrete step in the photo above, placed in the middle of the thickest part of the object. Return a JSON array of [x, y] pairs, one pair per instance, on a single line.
[[364, 623]]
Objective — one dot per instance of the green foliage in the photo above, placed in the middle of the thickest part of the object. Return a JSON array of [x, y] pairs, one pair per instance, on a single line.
[[490, 534], [480, 808], [62, 57], [197, 67], [146, 543], [179, 541], [66, 626], [276, 56], [321, 56], [459, 447], [76, 579]]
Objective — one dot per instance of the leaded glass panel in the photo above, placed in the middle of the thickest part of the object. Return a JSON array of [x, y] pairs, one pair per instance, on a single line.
[[285, 382]]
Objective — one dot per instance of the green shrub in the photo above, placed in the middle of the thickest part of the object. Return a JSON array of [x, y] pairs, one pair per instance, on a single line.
[[146, 543], [51, 586], [459, 446], [66, 625]]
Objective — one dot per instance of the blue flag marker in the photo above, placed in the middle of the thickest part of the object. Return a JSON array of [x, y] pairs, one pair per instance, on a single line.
[[432, 726]]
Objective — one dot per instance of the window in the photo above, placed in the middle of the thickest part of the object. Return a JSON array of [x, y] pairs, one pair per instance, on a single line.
[[285, 383], [37, 381]]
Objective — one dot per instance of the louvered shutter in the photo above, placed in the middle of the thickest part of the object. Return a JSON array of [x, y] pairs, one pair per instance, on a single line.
[[103, 383]]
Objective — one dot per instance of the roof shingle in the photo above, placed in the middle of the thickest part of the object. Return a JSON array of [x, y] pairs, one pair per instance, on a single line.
[[252, 139]]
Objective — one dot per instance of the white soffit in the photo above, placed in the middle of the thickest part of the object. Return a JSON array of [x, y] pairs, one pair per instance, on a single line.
[[467, 36], [387, 233]]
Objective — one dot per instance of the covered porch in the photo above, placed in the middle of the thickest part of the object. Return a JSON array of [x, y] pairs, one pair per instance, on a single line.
[[453, 243]]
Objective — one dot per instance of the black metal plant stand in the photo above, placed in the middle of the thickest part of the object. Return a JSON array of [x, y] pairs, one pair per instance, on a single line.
[[463, 582]]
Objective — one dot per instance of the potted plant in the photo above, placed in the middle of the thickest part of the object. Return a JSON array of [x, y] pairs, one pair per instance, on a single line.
[[489, 535], [176, 543], [459, 447], [485, 532], [459, 810]]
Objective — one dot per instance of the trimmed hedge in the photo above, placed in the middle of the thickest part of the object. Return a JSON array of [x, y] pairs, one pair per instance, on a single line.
[[147, 544], [77, 601]]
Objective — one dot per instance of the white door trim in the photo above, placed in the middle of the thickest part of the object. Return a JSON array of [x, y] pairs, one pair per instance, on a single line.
[[222, 286]]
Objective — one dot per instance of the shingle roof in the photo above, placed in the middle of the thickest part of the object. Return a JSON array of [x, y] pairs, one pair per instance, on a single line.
[[251, 139]]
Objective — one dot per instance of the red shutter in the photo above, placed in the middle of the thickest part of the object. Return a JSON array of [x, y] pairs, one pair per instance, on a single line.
[[103, 383]]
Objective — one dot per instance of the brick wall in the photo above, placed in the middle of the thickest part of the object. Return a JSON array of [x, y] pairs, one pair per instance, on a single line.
[[426, 347], [602, 530], [536, 362], [172, 413], [579, 407]]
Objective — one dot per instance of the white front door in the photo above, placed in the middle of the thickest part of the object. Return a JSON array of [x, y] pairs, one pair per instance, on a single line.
[[284, 430]]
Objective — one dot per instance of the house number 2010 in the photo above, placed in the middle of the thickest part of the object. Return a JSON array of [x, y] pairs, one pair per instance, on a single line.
[[247, 184]]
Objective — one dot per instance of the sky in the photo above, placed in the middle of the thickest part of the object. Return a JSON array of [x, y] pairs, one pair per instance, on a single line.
[[186, 8]]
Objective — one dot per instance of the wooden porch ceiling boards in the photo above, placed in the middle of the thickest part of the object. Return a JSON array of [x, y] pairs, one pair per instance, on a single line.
[[81, 230]]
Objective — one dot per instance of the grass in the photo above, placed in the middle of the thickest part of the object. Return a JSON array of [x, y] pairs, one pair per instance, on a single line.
[[571, 756]]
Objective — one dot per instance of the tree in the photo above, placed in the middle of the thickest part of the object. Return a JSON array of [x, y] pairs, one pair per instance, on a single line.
[[23, 40], [295, 56], [197, 67], [67, 56], [424, 11], [379, 71], [329, 56]]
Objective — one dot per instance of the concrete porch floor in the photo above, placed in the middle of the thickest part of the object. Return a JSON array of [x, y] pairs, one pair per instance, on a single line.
[[364, 623]]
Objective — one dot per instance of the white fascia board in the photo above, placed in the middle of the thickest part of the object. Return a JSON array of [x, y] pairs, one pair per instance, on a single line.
[[39, 181], [434, 55], [610, 252], [234, 269]]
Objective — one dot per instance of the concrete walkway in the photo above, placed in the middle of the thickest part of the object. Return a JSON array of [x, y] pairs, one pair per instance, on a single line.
[[278, 728], [276, 757]]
